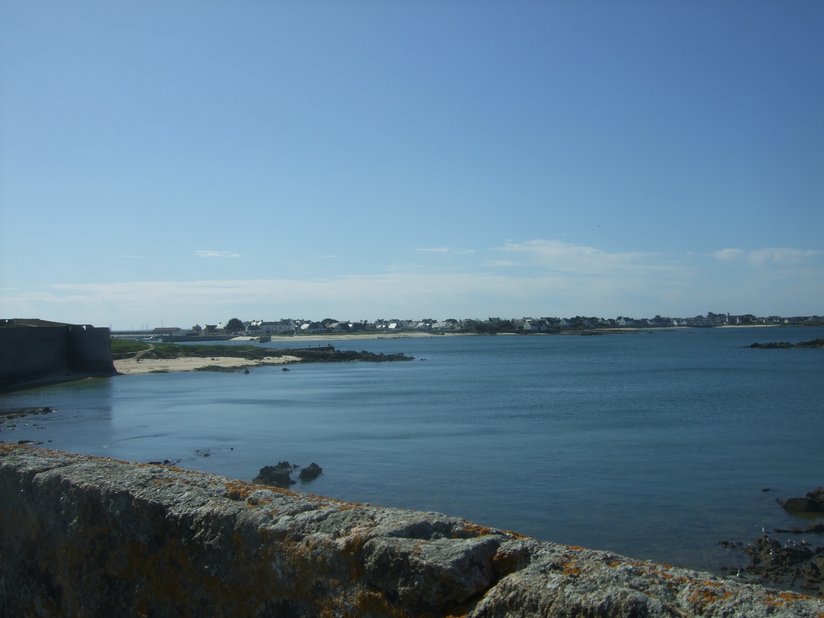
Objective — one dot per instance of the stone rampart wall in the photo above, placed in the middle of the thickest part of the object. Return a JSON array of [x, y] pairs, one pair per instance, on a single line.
[[86, 536], [89, 349], [29, 353]]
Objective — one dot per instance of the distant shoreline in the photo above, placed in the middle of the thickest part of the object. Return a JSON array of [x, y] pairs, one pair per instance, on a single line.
[[351, 336], [619, 330], [337, 336], [750, 326]]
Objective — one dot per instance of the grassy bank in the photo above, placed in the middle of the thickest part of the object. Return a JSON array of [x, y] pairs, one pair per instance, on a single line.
[[124, 349], [127, 348]]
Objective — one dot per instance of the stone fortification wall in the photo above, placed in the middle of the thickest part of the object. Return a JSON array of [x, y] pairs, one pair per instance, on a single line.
[[89, 349], [32, 350], [27, 353], [86, 536]]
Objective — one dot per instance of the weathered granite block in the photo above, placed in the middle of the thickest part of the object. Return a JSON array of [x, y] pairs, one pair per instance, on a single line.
[[88, 536]]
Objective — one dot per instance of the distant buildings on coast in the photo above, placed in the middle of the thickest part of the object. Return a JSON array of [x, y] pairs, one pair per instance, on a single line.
[[525, 325]]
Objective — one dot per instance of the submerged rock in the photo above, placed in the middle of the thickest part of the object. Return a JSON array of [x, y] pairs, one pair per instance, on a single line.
[[20, 412]]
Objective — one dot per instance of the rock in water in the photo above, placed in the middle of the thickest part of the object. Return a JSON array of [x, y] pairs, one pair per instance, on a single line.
[[278, 476], [813, 503], [310, 472]]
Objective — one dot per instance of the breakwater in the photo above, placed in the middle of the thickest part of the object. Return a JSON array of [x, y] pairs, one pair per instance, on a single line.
[[87, 536], [33, 351]]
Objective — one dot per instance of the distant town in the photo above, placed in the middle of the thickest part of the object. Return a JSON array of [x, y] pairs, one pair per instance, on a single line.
[[493, 325]]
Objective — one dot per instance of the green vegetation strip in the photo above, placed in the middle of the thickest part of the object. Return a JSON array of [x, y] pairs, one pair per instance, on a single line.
[[123, 348]]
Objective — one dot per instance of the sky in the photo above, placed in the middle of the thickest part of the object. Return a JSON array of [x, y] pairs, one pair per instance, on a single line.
[[182, 162]]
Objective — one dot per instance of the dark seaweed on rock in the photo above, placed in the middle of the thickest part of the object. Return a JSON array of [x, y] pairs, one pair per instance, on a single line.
[[319, 354], [331, 354], [783, 345]]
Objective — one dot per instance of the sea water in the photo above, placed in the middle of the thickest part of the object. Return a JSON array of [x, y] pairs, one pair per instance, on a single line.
[[653, 444]]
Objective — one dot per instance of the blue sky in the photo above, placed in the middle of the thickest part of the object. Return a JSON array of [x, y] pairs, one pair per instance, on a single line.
[[187, 162]]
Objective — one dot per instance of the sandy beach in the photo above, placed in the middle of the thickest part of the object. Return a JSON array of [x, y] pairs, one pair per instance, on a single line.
[[132, 366]]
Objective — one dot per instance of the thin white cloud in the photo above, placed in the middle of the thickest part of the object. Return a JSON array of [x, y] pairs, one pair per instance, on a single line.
[[728, 254], [558, 256], [395, 293], [764, 258], [503, 263], [445, 250], [781, 255], [364, 296], [544, 277], [205, 253]]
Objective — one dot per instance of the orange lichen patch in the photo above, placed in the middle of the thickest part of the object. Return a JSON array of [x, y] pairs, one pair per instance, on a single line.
[[353, 542], [671, 581], [273, 489], [238, 490], [783, 598], [712, 583], [241, 490], [708, 594], [163, 480], [373, 603], [356, 567], [476, 529], [515, 535], [340, 505]]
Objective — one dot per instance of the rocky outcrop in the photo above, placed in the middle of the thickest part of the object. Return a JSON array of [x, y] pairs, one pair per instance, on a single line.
[[791, 563], [811, 504], [783, 345], [277, 476], [331, 354], [281, 474], [87, 536], [310, 472]]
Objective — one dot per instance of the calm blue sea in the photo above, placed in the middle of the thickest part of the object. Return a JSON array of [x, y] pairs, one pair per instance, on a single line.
[[656, 445]]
